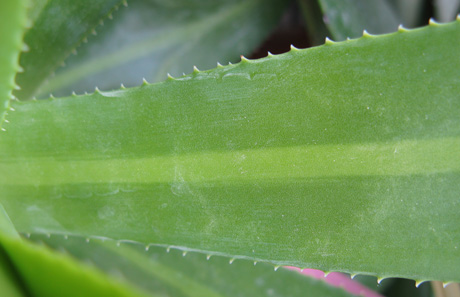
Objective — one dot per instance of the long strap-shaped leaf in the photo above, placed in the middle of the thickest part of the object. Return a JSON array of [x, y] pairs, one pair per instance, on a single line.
[[12, 23], [341, 157]]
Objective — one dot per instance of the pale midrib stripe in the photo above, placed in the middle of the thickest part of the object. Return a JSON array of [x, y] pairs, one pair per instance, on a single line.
[[138, 50], [399, 158]]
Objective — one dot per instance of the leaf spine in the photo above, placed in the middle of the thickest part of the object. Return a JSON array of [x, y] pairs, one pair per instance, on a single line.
[[328, 41], [195, 69], [219, 65], [122, 86], [380, 279], [74, 94], [169, 76], [445, 284], [432, 22], [353, 275], [244, 59], [147, 248], [184, 253], [255, 263], [293, 48], [418, 283], [144, 81], [269, 54], [366, 34], [51, 96], [208, 257], [96, 90], [87, 240], [168, 249], [231, 261], [276, 268]]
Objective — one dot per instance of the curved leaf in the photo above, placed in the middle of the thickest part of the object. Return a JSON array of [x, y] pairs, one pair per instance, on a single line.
[[341, 157], [12, 23], [171, 273], [151, 38], [59, 27]]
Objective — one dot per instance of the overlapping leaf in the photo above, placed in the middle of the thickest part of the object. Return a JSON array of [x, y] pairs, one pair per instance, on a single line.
[[148, 39]]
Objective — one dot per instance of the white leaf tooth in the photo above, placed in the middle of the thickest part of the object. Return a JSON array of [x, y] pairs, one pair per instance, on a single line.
[[144, 81], [12, 109], [184, 253], [20, 69], [96, 90], [110, 16], [255, 263], [195, 69], [6, 121], [418, 283], [74, 94], [169, 76], [401, 28], [328, 41], [380, 279], [432, 22], [147, 247], [326, 273], [219, 65], [276, 268], [208, 257], [125, 3], [16, 87], [3, 129], [118, 243], [348, 38], [445, 284], [244, 59], [458, 17], [293, 48], [168, 249], [269, 54], [366, 34], [122, 86], [231, 261], [87, 239], [353, 275], [51, 96]]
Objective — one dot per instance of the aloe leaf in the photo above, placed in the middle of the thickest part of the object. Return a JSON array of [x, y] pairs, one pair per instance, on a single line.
[[12, 23], [314, 21], [172, 273], [9, 284], [59, 27], [349, 18], [149, 39], [342, 157]]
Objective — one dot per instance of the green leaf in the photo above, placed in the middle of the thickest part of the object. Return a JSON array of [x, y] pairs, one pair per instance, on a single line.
[[171, 273], [59, 27], [9, 284], [37, 265], [350, 17], [341, 157], [12, 23], [150, 39]]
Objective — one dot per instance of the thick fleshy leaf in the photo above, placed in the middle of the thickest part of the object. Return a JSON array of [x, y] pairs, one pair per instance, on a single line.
[[342, 157], [12, 23], [149, 39], [349, 18], [172, 273], [59, 27]]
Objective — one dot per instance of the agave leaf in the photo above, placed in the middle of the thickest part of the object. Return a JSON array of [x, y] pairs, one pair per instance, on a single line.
[[152, 38], [12, 23], [349, 18], [341, 157], [171, 273], [59, 27]]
